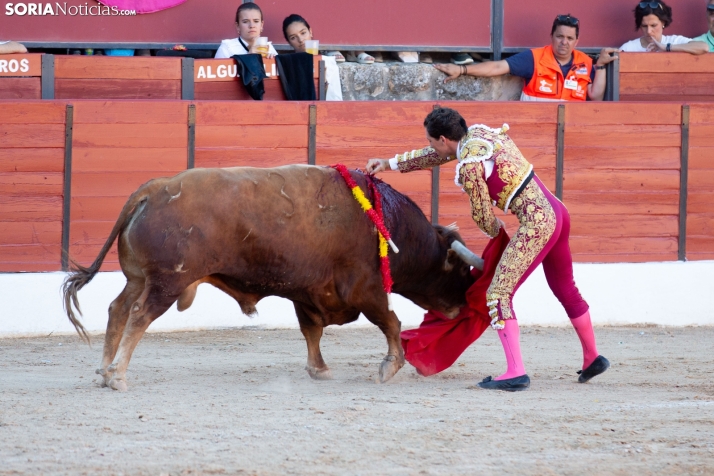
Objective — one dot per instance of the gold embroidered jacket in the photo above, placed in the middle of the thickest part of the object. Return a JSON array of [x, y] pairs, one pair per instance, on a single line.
[[506, 172]]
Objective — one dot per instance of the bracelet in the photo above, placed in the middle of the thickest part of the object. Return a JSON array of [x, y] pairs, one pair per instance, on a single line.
[[599, 67], [669, 46]]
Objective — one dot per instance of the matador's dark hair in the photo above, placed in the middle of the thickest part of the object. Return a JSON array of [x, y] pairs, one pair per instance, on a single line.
[[446, 122]]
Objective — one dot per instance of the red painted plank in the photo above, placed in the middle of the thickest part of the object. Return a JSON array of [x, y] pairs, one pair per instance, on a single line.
[[233, 91], [33, 112], [29, 267], [130, 135], [624, 258], [701, 223], [621, 203], [32, 160], [701, 135], [93, 208], [700, 244], [621, 158], [116, 184], [251, 136], [700, 202], [623, 246], [625, 225], [690, 84], [249, 157], [31, 207], [369, 113], [411, 137], [701, 157], [117, 89], [114, 67], [701, 181], [168, 160], [494, 114], [672, 62], [621, 180], [30, 233], [31, 183], [31, 135], [583, 135], [701, 114], [44, 252], [20, 64], [20, 88], [603, 113], [252, 113], [130, 112]]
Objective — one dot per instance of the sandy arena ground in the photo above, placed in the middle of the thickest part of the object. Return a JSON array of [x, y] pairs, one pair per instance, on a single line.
[[239, 401]]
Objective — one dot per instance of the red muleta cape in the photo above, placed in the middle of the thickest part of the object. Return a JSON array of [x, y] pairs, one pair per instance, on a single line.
[[437, 343]]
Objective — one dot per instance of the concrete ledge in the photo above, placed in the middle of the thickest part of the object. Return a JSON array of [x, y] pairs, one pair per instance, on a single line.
[[421, 82], [670, 294]]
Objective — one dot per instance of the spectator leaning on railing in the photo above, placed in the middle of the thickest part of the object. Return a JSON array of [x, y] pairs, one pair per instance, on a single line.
[[708, 37], [652, 18], [557, 72], [9, 47]]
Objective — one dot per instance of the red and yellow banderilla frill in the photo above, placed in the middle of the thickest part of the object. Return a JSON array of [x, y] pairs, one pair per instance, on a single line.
[[377, 216]]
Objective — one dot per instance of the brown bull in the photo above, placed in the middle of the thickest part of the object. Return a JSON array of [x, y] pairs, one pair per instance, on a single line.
[[294, 232]]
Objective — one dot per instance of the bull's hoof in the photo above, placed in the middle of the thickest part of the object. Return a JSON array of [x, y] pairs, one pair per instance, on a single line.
[[319, 374], [106, 376], [118, 384], [389, 367]]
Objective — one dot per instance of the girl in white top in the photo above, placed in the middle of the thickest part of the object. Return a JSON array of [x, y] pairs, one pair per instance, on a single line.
[[249, 23], [652, 18], [297, 31]]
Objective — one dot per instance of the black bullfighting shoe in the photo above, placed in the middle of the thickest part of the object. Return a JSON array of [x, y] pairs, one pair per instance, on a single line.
[[598, 366], [515, 384]]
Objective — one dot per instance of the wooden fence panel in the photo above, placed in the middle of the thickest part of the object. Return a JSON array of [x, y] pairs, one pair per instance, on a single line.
[[113, 77], [352, 133], [700, 190], [533, 128], [621, 181], [117, 146], [20, 76], [666, 77], [31, 180], [257, 134]]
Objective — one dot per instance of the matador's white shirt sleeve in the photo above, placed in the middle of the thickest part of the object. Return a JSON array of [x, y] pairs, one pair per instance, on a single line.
[[393, 163]]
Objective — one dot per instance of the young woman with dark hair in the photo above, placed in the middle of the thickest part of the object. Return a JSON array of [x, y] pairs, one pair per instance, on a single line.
[[249, 23], [297, 31], [651, 18]]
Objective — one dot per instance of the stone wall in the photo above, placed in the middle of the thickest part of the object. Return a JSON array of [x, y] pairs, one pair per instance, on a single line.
[[421, 82]]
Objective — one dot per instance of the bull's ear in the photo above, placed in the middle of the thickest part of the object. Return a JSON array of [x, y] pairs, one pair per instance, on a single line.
[[451, 259]]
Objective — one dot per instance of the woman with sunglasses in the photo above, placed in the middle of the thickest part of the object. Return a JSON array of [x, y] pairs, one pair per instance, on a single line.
[[652, 18]]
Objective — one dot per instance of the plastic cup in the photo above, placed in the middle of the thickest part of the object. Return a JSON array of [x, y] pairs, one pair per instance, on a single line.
[[312, 46], [262, 46]]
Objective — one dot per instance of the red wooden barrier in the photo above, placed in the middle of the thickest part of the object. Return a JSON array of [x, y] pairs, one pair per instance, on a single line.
[[258, 134], [116, 147], [666, 77], [20, 76], [31, 180], [622, 181], [114, 77], [700, 201]]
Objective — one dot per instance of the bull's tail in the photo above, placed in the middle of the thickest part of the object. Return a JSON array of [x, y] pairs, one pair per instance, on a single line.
[[79, 275]]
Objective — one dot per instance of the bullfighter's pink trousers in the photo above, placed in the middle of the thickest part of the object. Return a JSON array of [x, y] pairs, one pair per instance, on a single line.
[[542, 237]]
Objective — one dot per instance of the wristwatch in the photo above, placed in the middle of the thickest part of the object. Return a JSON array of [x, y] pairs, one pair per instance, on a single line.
[[597, 66], [669, 46]]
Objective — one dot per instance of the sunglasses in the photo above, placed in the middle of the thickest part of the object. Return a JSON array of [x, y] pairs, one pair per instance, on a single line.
[[651, 5], [567, 20], [710, 7]]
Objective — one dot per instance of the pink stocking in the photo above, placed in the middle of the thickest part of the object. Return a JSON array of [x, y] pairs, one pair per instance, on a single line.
[[510, 339], [584, 328]]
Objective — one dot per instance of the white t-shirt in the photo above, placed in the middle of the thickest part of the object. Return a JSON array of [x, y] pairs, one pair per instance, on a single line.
[[332, 76], [233, 46], [635, 46]]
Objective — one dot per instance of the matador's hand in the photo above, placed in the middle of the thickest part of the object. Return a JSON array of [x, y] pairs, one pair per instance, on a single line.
[[377, 165]]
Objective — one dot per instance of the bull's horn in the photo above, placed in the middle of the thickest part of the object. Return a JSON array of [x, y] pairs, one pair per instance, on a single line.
[[467, 255]]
